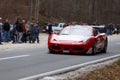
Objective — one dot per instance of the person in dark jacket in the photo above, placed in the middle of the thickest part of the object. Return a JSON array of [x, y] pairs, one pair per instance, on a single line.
[[109, 29], [6, 28], [49, 28], [36, 33], [118, 28], [19, 29], [1, 24], [31, 31]]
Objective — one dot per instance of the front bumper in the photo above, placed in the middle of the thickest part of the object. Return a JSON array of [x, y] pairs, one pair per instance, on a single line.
[[72, 48]]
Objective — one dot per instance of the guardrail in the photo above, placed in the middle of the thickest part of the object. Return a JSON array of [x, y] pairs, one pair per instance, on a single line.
[[68, 69]]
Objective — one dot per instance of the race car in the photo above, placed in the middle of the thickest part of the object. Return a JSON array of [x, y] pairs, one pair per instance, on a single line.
[[78, 39]]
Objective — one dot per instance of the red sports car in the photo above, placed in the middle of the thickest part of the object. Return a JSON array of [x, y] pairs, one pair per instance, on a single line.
[[78, 39]]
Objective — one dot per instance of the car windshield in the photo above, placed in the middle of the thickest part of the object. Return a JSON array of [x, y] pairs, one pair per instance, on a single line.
[[101, 30], [81, 31], [55, 24]]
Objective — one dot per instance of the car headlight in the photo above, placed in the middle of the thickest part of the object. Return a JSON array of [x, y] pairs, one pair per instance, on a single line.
[[53, 39], [77, 42], [85, 40]]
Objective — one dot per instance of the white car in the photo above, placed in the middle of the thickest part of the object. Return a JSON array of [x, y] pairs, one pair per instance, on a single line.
[[56, 27]]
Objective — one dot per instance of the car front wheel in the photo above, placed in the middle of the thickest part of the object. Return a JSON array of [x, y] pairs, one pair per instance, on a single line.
[[50, 51], [105, 47], [94, 48]]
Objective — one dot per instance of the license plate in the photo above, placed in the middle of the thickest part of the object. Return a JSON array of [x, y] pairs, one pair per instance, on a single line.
[[66, 51]]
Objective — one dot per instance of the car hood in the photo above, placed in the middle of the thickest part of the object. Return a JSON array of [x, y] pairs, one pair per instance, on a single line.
[[72, 38]]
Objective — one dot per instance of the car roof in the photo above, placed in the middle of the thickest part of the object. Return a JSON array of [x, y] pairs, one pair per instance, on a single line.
[[100, 26], [81, 26]]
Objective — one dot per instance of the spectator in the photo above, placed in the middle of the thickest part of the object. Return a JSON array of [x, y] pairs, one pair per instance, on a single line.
[[50, 28], [109, 29], [95, 23], [114, 29], [31, 31], [6, 28], [24, 36], [14, 34], [1, 24], [36, 33], [19, 29], [27, 26], [118, 28], [27, 30], [24, 25]]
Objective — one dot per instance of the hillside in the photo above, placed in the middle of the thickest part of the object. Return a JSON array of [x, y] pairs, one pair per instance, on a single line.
[[13, 8], [104, 11]]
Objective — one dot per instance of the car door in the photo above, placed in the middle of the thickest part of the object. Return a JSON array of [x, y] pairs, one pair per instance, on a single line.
[[99, 39]]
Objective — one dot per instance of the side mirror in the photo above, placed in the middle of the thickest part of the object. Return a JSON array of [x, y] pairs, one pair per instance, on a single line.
[[53, 33]]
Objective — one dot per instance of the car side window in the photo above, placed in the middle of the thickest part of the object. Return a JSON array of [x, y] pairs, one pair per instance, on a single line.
[[95, 32], [61, 25]]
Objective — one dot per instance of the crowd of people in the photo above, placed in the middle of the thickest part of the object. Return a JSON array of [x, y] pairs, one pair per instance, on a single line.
[[23, 31], [113, 29], [19, 32]]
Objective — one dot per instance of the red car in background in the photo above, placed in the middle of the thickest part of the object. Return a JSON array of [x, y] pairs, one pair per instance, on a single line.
[[78, 39]]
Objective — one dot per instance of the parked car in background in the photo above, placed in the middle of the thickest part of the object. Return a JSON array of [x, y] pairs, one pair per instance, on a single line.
[[56, 26], [78, 39], [45, 27]]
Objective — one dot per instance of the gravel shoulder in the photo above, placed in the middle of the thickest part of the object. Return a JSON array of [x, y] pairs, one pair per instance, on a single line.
[[43, 42]]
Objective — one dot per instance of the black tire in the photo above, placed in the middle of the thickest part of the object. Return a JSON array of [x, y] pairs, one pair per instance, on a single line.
[[50, 51], [94, 49], [105, 46]]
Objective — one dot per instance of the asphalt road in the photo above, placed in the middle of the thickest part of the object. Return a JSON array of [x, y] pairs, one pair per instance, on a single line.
[[19, 63]]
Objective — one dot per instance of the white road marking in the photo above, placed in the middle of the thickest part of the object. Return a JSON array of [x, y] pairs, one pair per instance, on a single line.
[[13, 57]]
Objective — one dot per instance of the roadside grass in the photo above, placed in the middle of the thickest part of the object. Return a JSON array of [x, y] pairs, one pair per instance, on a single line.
[[118, 62], [111, 72]]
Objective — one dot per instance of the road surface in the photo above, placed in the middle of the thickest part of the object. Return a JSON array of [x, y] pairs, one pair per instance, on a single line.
[[20, 63]]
